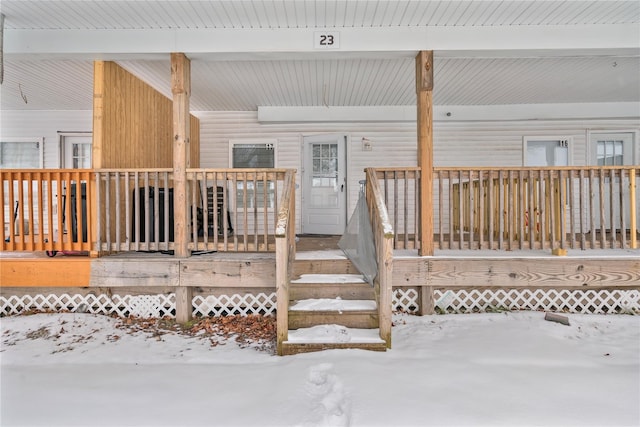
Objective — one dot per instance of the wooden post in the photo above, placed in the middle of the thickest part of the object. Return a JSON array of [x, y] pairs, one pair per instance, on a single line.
[[97, 148], [282, 292], [633, 225], [424, 88], [426, 301], [181, 90], [184, 308]]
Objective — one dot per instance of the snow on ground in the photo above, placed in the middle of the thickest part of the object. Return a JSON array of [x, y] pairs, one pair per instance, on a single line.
[[476, 369]]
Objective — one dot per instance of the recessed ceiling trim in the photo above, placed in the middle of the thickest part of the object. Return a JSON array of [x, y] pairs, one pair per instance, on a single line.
[[445, 113]]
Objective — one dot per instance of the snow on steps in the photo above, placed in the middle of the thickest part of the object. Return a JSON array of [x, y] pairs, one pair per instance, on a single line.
[[345, 286], [350, 313], [337, 304], [330, 311], [330, 278], [326, 337]]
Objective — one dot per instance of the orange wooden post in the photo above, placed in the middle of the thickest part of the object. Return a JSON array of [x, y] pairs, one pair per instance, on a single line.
[[424, 88]]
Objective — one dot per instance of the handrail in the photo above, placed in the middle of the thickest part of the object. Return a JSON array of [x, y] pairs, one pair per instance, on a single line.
[[285, 254], [383, 235]]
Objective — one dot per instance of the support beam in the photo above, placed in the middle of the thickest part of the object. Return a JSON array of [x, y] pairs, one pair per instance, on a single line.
[[181, 90], [424, 88]]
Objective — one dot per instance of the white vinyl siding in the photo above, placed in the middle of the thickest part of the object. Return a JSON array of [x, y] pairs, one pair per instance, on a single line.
[[495, 143], [46, 125]]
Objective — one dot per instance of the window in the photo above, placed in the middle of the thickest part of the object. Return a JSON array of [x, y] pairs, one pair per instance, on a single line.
[[612, 148], [545, 151], [254, 155], [21, 153], [609, 153]]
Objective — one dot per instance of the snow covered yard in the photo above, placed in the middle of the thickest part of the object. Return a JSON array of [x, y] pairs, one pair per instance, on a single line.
[[511, 368]]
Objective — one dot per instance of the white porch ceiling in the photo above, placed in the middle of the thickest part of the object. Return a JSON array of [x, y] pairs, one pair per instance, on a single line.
[[63, 81], [108, 14]]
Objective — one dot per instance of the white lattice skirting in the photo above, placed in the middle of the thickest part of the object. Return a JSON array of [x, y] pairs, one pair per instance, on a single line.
[[481, 300], [225, 305], [156, 305], [448, 301]]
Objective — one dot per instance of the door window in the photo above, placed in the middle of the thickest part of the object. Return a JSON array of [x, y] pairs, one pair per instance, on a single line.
[[612, 149], [76, 150]]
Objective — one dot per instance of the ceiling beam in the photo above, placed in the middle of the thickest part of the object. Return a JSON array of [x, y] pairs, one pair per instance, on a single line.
[[127, 43]]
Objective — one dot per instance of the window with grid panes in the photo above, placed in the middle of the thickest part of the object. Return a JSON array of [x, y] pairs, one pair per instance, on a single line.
[[254, 156]]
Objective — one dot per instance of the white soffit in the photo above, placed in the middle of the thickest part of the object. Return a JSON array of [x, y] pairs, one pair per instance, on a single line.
[[271, 14]]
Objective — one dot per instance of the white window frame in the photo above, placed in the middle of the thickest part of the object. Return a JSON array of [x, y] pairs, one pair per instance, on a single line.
[[37, 140], [252, 141], [635, 138], [568, 140]]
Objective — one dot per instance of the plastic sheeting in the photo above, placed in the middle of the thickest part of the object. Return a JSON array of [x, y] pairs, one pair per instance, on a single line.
[[357, 241]]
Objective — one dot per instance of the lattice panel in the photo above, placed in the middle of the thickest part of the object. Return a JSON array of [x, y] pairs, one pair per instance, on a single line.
[[406, 300], [483, 300], [225, 305], [157, 305]]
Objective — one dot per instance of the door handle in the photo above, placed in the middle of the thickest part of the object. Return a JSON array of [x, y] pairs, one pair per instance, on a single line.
[[342, 188]]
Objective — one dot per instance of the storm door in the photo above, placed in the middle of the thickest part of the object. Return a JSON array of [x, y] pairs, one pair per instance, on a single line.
[[324, 197], [611, 149]]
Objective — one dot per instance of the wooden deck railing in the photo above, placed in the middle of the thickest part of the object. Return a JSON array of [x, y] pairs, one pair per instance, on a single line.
[[231, 210], [285, 234], [536, 208], [46, 210], [383, 234], [236, 209], [400, 189], [134, 209], [518, 208]]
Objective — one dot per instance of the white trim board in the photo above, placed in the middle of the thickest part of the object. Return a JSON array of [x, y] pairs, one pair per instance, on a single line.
[[405, 113]]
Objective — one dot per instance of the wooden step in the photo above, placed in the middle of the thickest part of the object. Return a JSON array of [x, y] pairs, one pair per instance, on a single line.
[[350, 313], [323, 266], [345, 286], [327, 337]]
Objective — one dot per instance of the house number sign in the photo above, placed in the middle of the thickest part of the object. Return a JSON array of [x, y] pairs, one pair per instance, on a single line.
[[326, 40]]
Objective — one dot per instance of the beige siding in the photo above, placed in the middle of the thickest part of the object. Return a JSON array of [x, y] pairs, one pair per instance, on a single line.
[[29, 123], [394, 144]]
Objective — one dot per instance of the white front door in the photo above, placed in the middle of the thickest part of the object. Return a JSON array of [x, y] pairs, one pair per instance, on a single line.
[[76, 151], [324, 198], [611, 149]]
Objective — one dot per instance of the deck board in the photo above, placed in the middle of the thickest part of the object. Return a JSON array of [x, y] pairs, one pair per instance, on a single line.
[[593, 268]]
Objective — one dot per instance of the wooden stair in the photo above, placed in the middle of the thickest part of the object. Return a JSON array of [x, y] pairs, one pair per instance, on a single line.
[[330, 307]]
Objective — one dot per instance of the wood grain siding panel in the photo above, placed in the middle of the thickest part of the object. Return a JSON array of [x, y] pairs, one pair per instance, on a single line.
[[49, 272], [135, 272], [137, 122]]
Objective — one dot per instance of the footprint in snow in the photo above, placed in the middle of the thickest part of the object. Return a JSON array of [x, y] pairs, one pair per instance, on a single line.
[[330, 406]]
